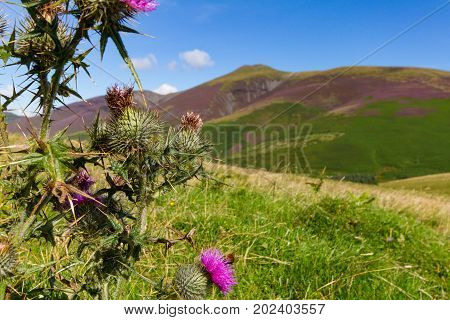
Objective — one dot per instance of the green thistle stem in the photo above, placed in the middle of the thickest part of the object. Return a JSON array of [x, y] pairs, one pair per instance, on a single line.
[[144, 204], [56, 80], [49, 101]]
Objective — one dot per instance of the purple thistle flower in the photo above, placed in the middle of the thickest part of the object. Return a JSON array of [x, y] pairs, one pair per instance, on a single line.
[[78, 199], [142, 5], [83, 180], [219, 269]]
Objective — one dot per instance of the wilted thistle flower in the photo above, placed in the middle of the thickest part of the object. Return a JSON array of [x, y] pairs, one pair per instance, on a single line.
[[142, 5], [119, 99], [40, 47], [190, 282], [119, 181], [103, 11], [135, 131], [8, 259], [191, 121], [50, 10], [219, 269]]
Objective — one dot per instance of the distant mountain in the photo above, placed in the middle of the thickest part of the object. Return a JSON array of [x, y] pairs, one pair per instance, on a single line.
[[78, 116], [366, 123], [338, 90]]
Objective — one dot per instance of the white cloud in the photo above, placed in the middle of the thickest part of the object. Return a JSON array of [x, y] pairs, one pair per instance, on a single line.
[[7, 90], [172, 65], [196, 59], [147, 62], [165, 88]]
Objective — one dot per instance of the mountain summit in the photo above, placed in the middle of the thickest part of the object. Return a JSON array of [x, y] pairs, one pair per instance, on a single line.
[[339, 90]]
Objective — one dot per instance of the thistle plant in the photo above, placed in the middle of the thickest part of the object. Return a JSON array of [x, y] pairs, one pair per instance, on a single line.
[[85, 204]]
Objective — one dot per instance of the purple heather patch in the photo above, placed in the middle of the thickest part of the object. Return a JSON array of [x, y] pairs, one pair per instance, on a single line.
[[219, 269]]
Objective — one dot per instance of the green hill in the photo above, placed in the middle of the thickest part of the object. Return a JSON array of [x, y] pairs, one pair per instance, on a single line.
[[386, 139], [438, 184]]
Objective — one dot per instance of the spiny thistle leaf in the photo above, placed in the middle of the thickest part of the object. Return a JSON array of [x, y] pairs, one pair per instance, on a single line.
[[3, 24], [190, 283], [117, 39], [97, 134]]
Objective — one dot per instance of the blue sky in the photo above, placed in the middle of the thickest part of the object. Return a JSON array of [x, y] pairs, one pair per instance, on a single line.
[[197, 40]]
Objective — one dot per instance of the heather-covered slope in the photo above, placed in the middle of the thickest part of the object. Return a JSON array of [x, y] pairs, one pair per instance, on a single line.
[[339, 90]]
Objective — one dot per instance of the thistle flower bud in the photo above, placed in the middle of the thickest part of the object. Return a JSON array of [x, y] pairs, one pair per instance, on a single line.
[[103, 10], [41, 47], [119, 99], [49, 10], [187, 141], [190, 283], [135, 131], [191, 121], [8, 260]]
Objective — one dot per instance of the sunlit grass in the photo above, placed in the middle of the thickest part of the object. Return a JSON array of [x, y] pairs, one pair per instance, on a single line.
[[294, 246]]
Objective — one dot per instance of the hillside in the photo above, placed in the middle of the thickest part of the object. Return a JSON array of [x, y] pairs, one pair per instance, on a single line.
[[248, 86], [438, 184], [379, 123], [251, 86], [386, 139]]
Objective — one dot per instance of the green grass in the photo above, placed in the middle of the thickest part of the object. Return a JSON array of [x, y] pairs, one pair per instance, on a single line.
[[438, 184], [301, 247], [286, 245], [383, 144]]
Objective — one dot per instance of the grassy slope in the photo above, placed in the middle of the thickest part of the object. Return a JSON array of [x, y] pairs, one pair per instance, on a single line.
[[383, 143], [297, 244], [435, 184], [348, 241]]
